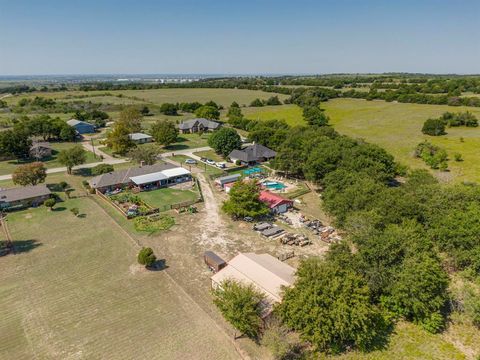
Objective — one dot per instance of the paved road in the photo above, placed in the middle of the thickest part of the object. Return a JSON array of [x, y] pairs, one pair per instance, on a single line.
[[84, 166], [111, 160], [187, 152]]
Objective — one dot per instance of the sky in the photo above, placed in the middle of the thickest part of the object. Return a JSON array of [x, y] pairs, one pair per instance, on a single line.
[[238, 36]]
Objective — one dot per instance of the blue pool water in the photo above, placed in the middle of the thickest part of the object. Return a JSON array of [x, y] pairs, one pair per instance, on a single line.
[[274, 185]]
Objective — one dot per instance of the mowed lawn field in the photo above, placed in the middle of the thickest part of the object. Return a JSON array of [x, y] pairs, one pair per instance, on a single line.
[[75, 291]]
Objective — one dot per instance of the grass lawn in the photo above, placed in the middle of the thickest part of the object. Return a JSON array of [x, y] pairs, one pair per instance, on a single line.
[[75, 290], [210, 154], [7, 167], [163, 198], [209, 170], [292, 114], [397, 128], [189, 141]]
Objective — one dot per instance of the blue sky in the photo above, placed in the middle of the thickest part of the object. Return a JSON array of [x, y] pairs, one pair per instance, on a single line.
[[242, 36]]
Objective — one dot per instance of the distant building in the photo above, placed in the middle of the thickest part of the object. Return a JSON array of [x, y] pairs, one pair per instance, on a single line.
[[196, 125], [266, 273], [21, 197], [82, 127], [276, 203], [140, 138], [252, 154], [143, 177], [40, 150]]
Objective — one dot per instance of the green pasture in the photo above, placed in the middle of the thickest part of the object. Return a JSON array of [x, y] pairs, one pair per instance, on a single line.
[[155, 96], [292, 114], [397, 128]]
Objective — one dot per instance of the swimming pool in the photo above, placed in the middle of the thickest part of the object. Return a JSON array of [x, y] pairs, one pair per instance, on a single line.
[[274, 185]]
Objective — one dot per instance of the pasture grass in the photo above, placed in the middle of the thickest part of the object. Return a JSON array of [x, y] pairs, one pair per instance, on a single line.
[[75, 290], [397, 128], [292, 114], [409, 341], [223, 97]]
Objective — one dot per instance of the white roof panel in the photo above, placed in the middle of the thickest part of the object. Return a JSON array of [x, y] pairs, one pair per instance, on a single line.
[[178, 171], [148, 178], [139, 136]]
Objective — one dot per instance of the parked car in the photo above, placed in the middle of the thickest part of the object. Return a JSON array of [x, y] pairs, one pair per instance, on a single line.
[[191, 161], [210, 162], [248, 219], [220, 165]]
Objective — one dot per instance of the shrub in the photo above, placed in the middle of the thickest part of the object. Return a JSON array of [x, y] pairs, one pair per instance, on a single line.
[[146, 257], [434, 156], [458, 157], [50, 203], [434, 127], [75, 211], [101, 169], [153, 223]]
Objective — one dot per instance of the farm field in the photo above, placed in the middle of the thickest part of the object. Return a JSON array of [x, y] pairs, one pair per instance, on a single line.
[[84, 296], [155, 96], [8, 166]]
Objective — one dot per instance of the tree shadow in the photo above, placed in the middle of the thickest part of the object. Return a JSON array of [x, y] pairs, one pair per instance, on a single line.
[[85, 172], [19, 247], [82, 216], [175, 147], [59, 208], [158, 265]]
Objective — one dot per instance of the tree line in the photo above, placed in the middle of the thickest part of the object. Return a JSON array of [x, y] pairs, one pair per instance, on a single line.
[[404, 238]]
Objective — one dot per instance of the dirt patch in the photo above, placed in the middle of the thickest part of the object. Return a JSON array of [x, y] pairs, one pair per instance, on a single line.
[[137, 268], [28, 216], [212, 226]]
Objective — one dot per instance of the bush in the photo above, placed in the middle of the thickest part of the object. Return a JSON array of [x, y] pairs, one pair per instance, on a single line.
[[458, 157], [50, 203], [101, 169], [75, 211], [434, 156], [146, 257], [434, 127]]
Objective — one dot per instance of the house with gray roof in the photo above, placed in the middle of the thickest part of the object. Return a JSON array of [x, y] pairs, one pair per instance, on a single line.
[[143, 177], [82, 127], [140, 138], [252, 154], [199, 124], [21, 197], [40, 150]]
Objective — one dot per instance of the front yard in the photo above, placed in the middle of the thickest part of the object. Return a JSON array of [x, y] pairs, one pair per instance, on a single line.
[[9, 166]]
